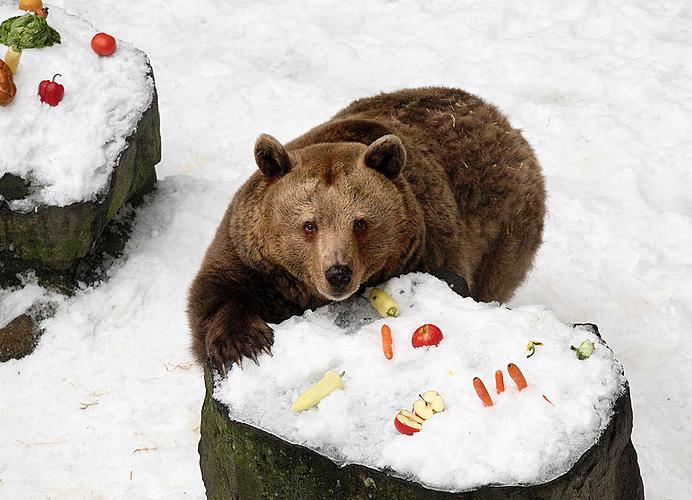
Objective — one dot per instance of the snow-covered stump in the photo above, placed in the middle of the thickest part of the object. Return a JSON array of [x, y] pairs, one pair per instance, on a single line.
[[239, 461], [53, 240], [66, 171], [576, 446]]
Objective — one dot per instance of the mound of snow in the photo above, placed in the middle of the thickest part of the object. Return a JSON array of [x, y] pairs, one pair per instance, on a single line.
[[521, 439], [68, 152]]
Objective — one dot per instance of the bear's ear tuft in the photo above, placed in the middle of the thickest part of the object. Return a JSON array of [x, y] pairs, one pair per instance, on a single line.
[[271, 157], [386, 155]]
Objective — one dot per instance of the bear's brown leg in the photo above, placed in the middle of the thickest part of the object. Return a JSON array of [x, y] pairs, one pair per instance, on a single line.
[[224, 328]]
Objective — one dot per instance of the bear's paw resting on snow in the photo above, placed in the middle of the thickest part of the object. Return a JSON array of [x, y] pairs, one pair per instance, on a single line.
[[407, 181]]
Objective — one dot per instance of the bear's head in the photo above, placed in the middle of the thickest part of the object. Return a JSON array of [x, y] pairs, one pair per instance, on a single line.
[[334, 214]]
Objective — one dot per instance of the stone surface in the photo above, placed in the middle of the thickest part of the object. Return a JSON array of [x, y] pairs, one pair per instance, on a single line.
[[18, 338], [52, 240]]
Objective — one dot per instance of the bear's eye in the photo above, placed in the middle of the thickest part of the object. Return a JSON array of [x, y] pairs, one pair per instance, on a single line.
[[359, 224], [309, 227]]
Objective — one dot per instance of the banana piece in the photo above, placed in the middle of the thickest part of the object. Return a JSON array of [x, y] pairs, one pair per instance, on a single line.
[[330, 382]]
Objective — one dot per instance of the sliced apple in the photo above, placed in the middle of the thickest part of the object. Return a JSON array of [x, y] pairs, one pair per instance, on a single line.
[[412, 416], [423, 409], [434, 400], [406, 425]]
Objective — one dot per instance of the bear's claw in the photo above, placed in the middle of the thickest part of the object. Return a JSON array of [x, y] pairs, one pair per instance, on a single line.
[[245, 339]]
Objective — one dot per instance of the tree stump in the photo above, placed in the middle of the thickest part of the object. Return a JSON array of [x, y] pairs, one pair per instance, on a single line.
[[52, 241], [110, 118], [240, 461]]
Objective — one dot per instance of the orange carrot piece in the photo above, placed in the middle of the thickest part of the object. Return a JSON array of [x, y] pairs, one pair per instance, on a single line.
[[387, 342], [517, 376], [499, 382], [482, 392]]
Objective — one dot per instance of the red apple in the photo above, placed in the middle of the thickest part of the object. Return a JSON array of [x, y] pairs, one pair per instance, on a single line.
[[426, 335], [405, 424]]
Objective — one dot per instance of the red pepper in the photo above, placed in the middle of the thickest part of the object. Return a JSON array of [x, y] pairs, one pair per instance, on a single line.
[[50, 91]]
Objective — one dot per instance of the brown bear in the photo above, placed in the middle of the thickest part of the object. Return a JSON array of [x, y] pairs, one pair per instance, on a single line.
[[405, 181]]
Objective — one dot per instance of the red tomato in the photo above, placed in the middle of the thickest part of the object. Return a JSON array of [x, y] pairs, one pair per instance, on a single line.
[[103, 44]]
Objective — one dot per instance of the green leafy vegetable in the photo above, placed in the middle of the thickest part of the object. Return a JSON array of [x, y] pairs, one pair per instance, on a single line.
[[27, 32]]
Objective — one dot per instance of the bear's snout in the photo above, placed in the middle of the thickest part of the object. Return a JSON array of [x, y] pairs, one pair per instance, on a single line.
[[339, 277]]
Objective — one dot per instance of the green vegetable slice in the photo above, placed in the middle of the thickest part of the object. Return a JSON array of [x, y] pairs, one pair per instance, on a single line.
[[584, 350]]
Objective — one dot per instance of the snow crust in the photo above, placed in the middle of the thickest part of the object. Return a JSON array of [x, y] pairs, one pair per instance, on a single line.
[[522, 439], [69, 151]]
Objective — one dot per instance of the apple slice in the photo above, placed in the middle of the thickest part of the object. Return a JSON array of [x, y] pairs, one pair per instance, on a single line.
[[406, 425], [412, 416], [423, 409], [434, 401]]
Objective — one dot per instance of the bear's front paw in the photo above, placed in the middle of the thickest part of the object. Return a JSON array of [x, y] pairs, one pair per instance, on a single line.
[[228, 340]]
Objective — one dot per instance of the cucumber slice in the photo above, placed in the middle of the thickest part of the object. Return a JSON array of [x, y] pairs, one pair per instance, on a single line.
[[584, 350]]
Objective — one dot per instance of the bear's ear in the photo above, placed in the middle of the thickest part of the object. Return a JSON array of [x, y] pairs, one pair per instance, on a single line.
[[271, 157], [386, 155]]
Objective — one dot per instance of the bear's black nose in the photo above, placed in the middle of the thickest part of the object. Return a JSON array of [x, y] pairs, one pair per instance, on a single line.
[[339, 276]]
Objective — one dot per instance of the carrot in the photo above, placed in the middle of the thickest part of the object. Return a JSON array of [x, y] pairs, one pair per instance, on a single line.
[[499, 382], [387, 342], [482, 392], [517, 376]]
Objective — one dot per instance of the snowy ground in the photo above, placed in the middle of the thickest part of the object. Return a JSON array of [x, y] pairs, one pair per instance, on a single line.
[[602, 90]]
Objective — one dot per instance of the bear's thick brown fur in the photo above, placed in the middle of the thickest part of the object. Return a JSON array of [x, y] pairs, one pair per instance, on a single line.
[[405, 181]]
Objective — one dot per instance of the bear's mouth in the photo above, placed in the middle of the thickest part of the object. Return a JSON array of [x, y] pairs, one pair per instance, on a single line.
[[338, 295]]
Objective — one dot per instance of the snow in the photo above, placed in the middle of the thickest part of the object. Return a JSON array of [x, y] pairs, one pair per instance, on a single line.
[[14, 303], [601, 90], [69, 151], [521, 439]]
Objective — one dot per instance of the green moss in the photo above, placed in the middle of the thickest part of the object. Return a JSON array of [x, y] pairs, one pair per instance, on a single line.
[[53, 235]]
